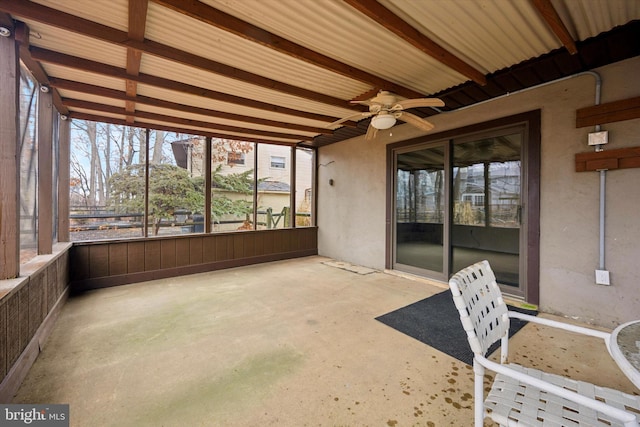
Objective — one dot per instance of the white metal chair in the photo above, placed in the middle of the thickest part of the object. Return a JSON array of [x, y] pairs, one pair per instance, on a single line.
[[523, 396]]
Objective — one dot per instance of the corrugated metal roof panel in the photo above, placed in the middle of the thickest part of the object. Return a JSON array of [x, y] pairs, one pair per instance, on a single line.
[[113, 13], [71, 43], [335, 29], [496, 37], [91, 98], [199, 130], [588, 18], [183, 73], [110, 115], [215, 120], [199, 101], [493, 34], [73, 74], [235, 51]]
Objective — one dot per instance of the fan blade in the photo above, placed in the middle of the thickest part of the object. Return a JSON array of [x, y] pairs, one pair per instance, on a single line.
[[419, 102], [371, 133], [416, 121], [367, 102], [352, 117]]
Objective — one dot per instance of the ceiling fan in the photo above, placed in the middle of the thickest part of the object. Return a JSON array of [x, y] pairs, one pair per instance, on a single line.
[[385, 108]]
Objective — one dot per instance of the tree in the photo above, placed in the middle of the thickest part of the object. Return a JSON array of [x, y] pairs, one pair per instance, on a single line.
[[236, 183], [240, 183], [170, 189]]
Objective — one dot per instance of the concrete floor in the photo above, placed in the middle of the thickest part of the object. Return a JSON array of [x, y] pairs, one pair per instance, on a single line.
[[291, 343]]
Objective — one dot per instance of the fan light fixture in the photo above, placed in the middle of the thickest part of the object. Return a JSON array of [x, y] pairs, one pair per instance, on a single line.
[[385, 108], [383, 121]]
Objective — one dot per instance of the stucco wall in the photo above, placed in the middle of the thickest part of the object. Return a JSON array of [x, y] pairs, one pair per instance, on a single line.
[[351, 213]]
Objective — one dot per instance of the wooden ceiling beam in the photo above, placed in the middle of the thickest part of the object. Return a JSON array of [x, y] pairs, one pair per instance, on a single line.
[[161, 103], [402, 29], [137, 26], [49, 56], [6, 20], [148, 125], [214, 127], [56, 18], [209, 15], [22, 36], [551, 17]]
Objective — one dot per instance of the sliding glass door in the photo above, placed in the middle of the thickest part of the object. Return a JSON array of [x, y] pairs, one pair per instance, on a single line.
[[486, 194], [459, 201], [421, 209]]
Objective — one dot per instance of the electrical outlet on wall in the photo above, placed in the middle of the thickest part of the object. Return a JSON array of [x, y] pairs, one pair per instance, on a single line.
[[602, 277]]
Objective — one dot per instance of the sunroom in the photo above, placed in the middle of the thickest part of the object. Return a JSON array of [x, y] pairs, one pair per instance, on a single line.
[[154, 140]]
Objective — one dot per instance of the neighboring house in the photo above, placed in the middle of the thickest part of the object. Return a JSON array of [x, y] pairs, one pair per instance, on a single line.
[[274, 176]]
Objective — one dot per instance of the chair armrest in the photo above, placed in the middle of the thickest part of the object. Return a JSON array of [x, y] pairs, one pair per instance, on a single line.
[[606, 336], [562, 325], [628, 419]]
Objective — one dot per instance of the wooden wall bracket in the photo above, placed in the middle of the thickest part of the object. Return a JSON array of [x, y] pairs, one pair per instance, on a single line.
[[616, 111], [622, 158]]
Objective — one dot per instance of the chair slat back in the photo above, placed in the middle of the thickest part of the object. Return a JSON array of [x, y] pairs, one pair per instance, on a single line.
[[482, 310]]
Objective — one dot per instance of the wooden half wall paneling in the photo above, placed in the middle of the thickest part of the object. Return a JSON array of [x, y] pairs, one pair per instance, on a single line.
[[35, 298], [135, 257], [80, 265], [3, 339], [118, 259], [99, 261], [151, 255], [27, 314], [183, 255], [208, 251], [167, 253], [111, 263], [195, 250]]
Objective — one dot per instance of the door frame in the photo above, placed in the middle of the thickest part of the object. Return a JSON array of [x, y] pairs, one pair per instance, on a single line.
[[530, 237]]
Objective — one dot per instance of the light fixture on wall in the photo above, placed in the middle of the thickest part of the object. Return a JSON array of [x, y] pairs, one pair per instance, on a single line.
[[5, 32], [383, 121]]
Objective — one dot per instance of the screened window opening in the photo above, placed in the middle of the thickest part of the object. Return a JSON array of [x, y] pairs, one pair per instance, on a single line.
[[251, 185], [28, 166]]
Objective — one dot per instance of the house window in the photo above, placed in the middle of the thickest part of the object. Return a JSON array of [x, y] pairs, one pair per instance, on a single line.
[[234, 158], [278, 162], [474, 199]]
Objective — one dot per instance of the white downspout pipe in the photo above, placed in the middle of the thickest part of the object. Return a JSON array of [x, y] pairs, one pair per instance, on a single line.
[[603, 180]]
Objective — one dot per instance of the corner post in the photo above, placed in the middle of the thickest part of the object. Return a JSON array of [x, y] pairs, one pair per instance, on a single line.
[[9, 154]]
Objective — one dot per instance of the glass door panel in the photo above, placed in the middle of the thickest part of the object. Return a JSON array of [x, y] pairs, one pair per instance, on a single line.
[[420, 209], [486, 195]]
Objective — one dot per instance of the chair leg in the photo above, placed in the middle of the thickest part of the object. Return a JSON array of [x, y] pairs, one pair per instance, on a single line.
[[504, 348], [478, 395]]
